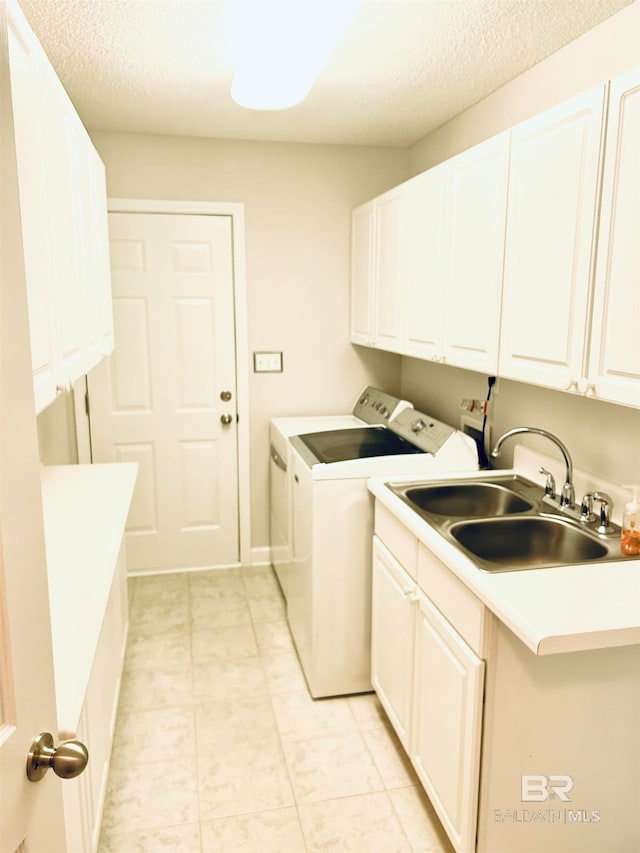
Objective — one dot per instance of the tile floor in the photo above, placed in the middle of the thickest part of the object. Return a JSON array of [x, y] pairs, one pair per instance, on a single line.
[[218, 746]]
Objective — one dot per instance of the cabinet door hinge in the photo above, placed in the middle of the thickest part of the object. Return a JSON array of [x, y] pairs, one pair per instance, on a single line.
[[87, 406]]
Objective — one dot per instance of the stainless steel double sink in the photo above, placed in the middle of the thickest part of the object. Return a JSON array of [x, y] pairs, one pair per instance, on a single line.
[[502, 523]]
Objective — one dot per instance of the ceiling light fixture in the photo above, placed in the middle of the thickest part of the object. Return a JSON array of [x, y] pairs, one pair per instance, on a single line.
[[279, 47]]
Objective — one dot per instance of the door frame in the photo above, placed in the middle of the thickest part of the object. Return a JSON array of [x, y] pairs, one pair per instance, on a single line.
[[236, 212]]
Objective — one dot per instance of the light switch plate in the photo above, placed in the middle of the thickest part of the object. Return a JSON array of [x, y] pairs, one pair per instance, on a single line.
[[267, 362]]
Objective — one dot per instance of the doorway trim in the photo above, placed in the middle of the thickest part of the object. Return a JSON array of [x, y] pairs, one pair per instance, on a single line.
[[236, 212]]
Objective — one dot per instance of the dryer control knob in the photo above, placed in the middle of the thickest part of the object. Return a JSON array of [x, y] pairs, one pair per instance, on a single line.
[[418, 426]]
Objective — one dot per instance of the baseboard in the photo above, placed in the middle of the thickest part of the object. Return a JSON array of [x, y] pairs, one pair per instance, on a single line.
[[261, 556]]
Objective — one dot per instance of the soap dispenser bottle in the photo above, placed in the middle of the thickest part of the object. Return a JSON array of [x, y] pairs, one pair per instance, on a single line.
[[630, 535]]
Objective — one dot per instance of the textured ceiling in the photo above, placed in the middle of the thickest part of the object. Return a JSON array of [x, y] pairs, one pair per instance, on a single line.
[[404, 68]]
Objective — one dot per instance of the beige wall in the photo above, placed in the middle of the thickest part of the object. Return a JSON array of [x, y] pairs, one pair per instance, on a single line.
[[298, 201], [604, 52], [603, 439]]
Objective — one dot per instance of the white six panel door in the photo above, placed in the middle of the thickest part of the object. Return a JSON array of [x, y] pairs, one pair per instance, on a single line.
[[157, 400]]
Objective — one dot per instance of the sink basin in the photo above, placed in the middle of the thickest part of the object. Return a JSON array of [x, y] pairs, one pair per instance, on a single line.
[[467, 500], [501, 544]]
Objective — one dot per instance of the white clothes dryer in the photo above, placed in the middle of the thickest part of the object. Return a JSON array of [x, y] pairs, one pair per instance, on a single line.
[[372, 406]]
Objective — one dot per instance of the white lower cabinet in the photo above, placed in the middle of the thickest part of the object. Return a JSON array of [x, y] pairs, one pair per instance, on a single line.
[[447, 723], [485, 721], [84, 796], [392, 630], [430, 681]]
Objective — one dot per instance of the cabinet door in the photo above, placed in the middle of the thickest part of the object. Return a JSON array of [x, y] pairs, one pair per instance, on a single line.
[[60, 203], [92, 250], [614, 364], [553, 183], [447, 721], [29, 140], [426, 230], [362, 274], [475, 252], [389, 284], [392, 625]]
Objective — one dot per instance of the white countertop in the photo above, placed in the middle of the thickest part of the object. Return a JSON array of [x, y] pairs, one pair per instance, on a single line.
[[560, 609], [85, 509]]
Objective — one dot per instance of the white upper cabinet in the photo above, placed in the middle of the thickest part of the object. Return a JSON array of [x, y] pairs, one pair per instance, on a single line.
[[552, 210], [475, 251], [377, 269], [614, 362], [389, 269], [427, 262], [92, 250], [65, 275], [426, 227], [25, 87], [63, 208], [518, 257], [362, 274]]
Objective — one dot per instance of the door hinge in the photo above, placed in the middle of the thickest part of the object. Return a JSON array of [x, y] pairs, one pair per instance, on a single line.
[[87, 407]]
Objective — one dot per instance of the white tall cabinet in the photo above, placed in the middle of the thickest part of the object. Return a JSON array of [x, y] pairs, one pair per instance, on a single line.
[[63, 208]]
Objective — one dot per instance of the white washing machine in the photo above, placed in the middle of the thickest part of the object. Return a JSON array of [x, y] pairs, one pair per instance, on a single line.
[[371, 407], [329, 574]]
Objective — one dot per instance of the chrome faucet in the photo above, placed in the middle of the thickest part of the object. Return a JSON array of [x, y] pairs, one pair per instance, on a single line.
[[567, 494]]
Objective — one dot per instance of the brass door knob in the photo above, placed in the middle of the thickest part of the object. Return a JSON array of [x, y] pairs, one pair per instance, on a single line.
[[67, 760], [226, 419]]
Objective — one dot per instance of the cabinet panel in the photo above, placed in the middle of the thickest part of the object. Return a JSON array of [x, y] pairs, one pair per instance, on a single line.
[[392, 628], [447, 723], [362, 273], [35, 234], [614, 367], [453, 599], [475, 255], [427, 231], [400, 541], [91, 249], [66, 281], [389, 283], [553, 182]]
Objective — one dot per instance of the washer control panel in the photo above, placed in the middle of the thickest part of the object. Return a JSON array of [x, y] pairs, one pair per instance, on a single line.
[[377, 407], [422, 430]]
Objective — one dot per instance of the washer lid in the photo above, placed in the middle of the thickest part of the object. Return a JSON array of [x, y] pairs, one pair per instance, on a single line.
[[359, 443]]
